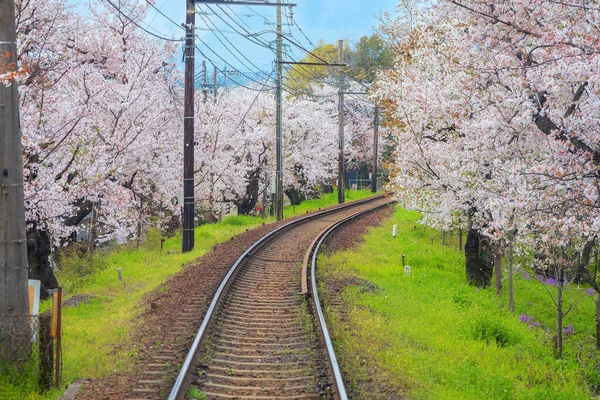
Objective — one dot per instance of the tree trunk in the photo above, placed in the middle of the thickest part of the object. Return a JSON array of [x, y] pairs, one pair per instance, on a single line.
[[598, 322], [558, 351], [460, 235], [263, 209], [479, 259], [325, 189], [139, 223], [511, 290], [581, 267], [498, 270], [295, 195], [92, 230], [443, 237], [211, 201], [248, 202], [38, 253]]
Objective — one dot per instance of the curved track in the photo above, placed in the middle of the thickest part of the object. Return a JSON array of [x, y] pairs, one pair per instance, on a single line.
[[259, 339]]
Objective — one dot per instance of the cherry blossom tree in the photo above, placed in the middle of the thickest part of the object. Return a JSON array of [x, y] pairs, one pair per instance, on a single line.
[[494, 106], [99, 118]]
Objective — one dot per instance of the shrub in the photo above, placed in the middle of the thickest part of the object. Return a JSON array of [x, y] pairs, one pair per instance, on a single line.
[[491, 329]]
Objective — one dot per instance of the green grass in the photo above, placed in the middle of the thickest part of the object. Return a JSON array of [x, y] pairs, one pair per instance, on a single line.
[[97, 334], [196, 394], [432, 336], [326, 200]]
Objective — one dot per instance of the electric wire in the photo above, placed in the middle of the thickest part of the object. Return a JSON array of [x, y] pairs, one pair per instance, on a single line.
[[248, 35], [228, 41], [154, 16], [233, 80], [321, 59], [164, 15], [230, 51], [221, 58], [141, 27]]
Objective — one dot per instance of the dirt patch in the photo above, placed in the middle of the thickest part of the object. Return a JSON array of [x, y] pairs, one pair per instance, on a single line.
[[76, 300], [362, 284], [352, 234]]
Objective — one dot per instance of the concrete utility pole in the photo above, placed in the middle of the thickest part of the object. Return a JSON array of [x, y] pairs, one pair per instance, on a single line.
[[188, 129], [14, 299], [278, 122], [341, 183], [375, 144]]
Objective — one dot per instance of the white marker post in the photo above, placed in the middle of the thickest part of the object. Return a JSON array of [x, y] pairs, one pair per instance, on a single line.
[[394, 230], [34, 305]]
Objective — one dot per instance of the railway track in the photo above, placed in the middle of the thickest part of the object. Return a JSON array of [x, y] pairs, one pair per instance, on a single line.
[[263, 337]]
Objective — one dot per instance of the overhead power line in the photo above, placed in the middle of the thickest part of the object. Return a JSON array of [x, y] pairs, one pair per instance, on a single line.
[[230, 78], [232, 45], [141, 27], [158, 10]]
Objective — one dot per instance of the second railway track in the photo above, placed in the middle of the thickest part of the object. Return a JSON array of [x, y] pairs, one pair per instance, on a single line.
[[260, 338]]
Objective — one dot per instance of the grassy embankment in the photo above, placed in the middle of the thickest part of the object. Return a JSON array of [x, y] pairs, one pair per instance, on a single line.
[[432, 336], [96, 339]]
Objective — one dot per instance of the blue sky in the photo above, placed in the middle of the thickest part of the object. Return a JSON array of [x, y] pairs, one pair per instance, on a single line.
[[329, 20]]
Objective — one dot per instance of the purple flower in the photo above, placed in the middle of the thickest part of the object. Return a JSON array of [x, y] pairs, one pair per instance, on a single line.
[[523, 318], [590, 292], [525, 275], [528, 319], [569, 330], [551, 281], [548, 281]]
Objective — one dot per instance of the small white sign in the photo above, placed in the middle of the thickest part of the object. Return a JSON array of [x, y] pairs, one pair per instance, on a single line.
[[394, 230], [407, 270], [34, 296], [34, 304]]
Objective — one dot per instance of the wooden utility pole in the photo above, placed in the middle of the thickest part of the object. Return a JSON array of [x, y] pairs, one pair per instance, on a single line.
[[14, 298], [375, 144], [188, 129], [205, 85], [215, 84], [278, 122], [341, 183]]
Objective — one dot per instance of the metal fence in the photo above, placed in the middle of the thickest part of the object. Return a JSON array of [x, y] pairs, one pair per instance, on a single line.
[[362, 184], [26, 351]]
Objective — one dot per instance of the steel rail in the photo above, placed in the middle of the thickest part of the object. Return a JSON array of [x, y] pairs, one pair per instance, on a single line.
[[340, 389], [176, 391]]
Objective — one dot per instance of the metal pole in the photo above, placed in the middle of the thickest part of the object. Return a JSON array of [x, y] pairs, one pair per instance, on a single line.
[[188, 130], [278, 122], [14, 297], [375, 144], [341, 174]]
